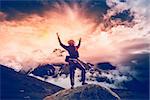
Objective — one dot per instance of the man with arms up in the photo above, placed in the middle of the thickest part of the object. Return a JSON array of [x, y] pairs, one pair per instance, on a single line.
[[72, 59]]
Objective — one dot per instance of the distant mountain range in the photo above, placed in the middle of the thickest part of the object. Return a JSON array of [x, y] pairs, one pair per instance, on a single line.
[[55, 69], [18, 85]]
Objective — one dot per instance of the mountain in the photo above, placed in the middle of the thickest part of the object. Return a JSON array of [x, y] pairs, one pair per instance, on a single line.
[[19, 86], [106, 66], [53, 69], [86, 92], [60, 68], [44, 70]]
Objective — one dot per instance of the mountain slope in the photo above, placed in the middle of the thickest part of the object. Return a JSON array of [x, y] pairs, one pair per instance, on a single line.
[[19, 86], [86, 92]]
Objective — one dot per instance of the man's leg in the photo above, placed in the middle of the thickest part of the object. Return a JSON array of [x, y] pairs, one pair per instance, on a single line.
[[72, 72], [81, 67]]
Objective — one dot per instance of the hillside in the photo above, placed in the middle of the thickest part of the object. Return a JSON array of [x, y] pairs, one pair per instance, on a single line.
[[19, 86], [86, 92]]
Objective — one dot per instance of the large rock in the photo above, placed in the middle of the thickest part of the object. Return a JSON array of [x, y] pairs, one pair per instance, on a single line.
[[86, 92]]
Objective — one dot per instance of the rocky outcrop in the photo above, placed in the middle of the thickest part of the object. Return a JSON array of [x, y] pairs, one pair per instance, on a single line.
[[17, 86], [86, 92], [44, 70]]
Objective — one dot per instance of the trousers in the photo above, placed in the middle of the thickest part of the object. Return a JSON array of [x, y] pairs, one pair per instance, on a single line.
[[73, 64]]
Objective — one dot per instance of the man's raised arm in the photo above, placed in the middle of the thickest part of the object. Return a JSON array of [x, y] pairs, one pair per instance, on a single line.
[[79, 43], [61, 44]]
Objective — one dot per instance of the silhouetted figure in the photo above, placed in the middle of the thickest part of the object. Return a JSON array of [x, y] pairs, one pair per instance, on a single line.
[[72, 59]]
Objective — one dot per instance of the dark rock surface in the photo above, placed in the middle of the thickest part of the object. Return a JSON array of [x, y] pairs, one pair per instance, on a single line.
[[86, 92], [43, 70], [105, 66], [17, 86]]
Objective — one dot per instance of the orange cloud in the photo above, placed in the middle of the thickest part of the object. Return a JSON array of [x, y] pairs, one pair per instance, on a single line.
[[19, 39]]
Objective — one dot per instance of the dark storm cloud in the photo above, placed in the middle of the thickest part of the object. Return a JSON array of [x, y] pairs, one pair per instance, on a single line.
[[97, 6], [19, 5], [18, 9], [124, 16], [122, 0], [12, 8]]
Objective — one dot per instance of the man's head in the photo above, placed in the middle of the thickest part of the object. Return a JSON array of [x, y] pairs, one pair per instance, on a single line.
[[71, 42]]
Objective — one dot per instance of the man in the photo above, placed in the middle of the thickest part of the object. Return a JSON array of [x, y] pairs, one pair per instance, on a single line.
[[72, 59]]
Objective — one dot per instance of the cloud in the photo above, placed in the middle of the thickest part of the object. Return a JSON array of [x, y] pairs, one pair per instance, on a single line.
[[105, 32]]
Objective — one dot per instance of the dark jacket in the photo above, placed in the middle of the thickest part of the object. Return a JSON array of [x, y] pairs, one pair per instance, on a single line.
[[72, 50]]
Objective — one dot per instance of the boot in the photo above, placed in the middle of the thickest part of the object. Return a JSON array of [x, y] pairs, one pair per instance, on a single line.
[[72, 87], [84, 83]]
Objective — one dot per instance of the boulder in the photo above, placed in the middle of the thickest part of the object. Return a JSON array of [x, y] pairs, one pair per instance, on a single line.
[[85, 92]]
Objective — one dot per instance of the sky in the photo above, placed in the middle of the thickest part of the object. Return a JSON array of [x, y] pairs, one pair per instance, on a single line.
[[111, 30]]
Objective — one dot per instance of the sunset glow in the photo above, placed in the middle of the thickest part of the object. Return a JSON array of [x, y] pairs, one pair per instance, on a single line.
[[31, 40]]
